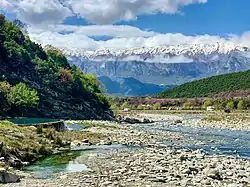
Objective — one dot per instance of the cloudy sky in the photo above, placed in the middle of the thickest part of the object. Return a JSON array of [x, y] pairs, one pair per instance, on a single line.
[[118, 24]]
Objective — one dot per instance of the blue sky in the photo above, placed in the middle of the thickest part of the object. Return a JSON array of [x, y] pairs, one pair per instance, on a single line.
[[216, 17], [131, 23]]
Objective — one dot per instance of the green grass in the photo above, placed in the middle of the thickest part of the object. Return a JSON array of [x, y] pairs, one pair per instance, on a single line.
[[25, 143]]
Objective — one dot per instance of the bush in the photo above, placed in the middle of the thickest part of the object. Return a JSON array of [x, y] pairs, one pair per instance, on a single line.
[[58, 141], [188, 105], [140, 107], [21, 95], [241, 105], [207, 103], [39, 129], [65, 75], [114, 107], [44, 150], [157, 106], [125, 105], [230, 105]]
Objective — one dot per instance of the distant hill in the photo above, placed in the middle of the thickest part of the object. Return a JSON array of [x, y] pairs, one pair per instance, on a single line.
[[210, 86], [131, 87], [62, 91]]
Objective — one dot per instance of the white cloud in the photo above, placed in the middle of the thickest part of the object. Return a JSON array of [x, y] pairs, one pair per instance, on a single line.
[[70, 41], [95, 11], [5, 5], [110, 11], [123, 37], [123, 31], [34, 12], [244, 39]]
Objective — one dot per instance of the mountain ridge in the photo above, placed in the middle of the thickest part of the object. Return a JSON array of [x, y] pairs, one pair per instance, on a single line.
[[130, 87], [212, 86]]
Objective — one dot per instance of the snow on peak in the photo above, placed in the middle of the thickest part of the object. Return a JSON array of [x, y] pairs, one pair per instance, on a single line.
[[167, 50]]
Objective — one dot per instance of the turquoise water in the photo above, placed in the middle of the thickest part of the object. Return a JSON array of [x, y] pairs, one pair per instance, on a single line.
[[29, 121], [69, 161], [63, 162]]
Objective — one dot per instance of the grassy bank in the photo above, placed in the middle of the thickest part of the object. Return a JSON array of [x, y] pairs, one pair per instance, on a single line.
[[25, 144]]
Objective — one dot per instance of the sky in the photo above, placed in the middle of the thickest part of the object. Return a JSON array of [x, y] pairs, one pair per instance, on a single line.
[[119, 24]]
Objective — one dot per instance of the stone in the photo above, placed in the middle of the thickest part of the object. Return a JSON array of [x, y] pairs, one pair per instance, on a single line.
[[6, 177], [178, 121], [15, 162], [85, 141], [186, 171], [213, 173]]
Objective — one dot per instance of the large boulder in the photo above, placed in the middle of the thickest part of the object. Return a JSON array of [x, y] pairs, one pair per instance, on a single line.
[[131, 120], [6, 177]]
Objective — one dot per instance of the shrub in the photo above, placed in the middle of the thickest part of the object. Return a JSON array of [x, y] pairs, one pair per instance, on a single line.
[[125, 105], [140, 107], [44, 150], [114, 107], [207, 103], [58, 141], [39, 129], [21, 95], [188, 105], [65, 75], [230, 105], [157, 106], [241, 105], [4, 87]]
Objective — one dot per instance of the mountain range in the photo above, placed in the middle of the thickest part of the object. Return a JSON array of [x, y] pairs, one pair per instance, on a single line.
[[131, 87], [163, 65]]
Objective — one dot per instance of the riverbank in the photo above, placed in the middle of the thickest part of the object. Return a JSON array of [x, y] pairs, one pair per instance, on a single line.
[[148, 161], [234, 121]]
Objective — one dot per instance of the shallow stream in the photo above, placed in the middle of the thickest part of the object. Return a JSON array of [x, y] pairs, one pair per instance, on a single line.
[[212, 140]]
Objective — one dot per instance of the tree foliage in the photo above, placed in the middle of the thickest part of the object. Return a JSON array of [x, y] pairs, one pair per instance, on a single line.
[[47, 71], [157, 106], [241, 105], [21, 95], [207, 103], [210, 86], [230, 105]]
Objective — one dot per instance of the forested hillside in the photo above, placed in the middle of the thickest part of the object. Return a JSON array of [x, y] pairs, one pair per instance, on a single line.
[[38, 83], [210, 86]]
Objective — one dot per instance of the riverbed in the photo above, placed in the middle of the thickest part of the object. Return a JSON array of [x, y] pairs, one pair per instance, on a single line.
[[165, 153]]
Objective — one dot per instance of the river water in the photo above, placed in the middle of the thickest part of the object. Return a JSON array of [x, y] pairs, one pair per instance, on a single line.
[[213, 140]]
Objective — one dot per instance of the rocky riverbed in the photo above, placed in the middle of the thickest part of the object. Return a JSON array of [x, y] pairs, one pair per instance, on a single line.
[[149, 160], [234, 121]]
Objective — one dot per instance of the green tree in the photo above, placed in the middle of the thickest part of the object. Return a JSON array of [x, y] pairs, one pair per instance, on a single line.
[[4, 90], [157, 106], [20, 95], [188, 105], [230, 105], [65, 75], [140, 107], [241, 105], [114, 107], [207, 103], [125, 105]]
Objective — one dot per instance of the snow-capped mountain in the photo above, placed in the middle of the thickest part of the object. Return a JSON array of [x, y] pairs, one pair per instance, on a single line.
[[163, 64]]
